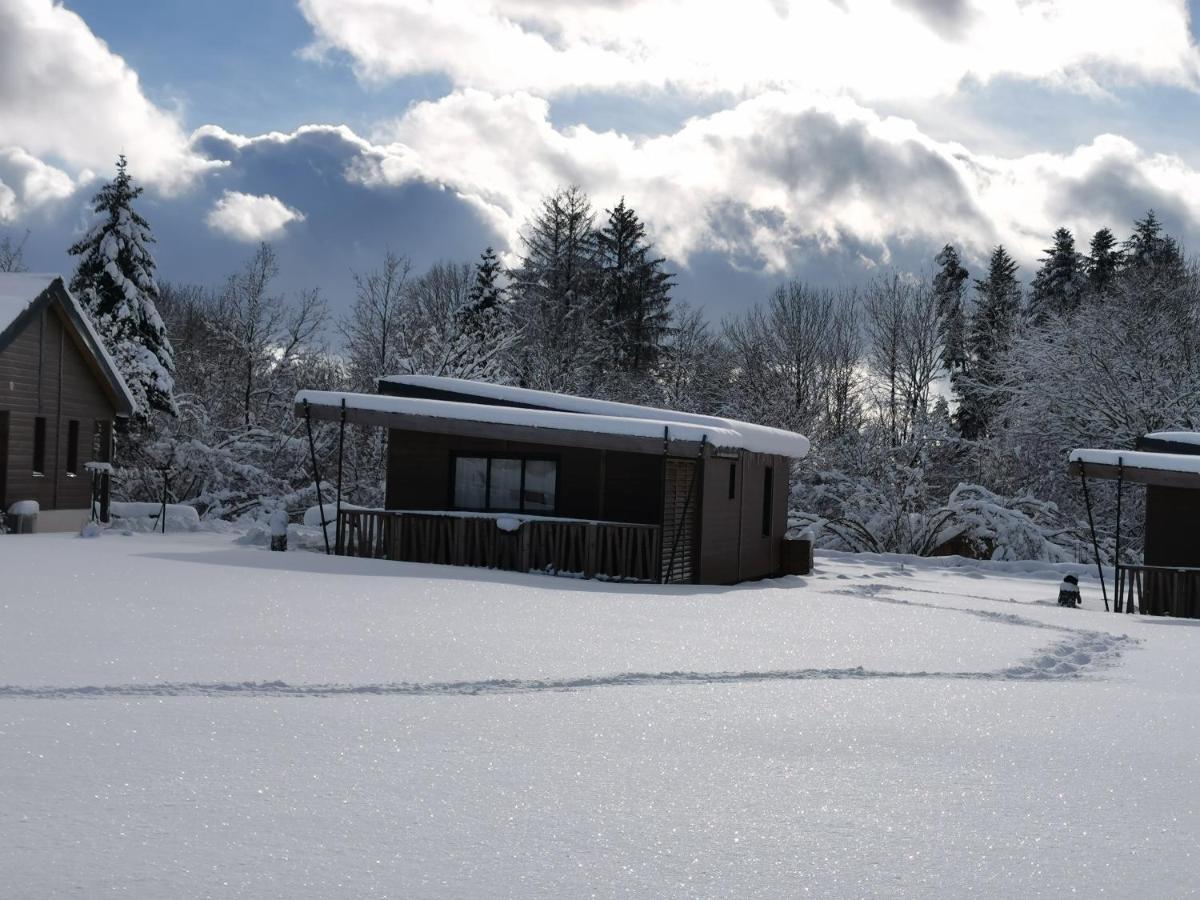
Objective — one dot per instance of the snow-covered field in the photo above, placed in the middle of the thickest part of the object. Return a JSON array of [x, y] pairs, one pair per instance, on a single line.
[[181, 716]]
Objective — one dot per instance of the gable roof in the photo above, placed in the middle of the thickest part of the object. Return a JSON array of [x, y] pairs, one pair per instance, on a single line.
[[24, 294], [722, 432]]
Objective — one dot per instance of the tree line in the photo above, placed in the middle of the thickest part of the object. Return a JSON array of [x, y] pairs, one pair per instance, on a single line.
[[941, 406]]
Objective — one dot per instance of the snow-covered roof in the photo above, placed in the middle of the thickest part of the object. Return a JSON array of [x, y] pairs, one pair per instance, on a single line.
[[1142, 466], [548, 420], [18, 291], [721, 432], [1176, 437]]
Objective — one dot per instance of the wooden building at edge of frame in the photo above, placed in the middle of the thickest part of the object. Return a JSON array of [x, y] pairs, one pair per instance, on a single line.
[[705, 499], [1168, 465], [60, 394]]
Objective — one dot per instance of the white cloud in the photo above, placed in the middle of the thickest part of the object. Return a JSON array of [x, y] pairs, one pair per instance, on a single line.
[[65, 96], [246, 217], [27, 183], [768, 183], [870, 48]]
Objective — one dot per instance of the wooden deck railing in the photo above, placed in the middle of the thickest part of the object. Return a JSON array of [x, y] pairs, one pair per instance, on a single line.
[[557, 546], [1158, 591]]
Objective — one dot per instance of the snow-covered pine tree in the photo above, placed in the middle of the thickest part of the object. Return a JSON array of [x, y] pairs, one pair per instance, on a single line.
[[486, 295], [948, 285], [1058, 285], [115, 283], [989, 337], [636, 291], [1104, 262], [1152, 263], [554, 296]]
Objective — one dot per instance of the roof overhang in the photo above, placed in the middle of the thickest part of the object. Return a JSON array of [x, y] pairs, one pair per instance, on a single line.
[[1137, 467], [547, 428]]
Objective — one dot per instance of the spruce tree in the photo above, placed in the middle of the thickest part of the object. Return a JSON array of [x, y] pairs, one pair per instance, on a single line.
[[554, 295], [1058, 285], [115, 283], [1104, 261], [635, 291], [484, 301], [948, 286], [1152, 263], [989, 337]]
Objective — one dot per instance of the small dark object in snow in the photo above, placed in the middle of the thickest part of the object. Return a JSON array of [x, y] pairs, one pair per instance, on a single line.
[[279, 524], [1068, 592]]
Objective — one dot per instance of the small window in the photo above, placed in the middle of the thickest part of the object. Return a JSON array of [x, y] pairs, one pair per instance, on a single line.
[[73, 447], [732, 480], [39, 445], [768, 498]]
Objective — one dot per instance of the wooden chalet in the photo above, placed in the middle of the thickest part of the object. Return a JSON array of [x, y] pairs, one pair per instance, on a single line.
[[509, 478], [60, 394], [1168, 465]]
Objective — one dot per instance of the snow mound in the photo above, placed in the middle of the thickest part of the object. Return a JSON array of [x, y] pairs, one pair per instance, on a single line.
[[145, 516], [312, 515]]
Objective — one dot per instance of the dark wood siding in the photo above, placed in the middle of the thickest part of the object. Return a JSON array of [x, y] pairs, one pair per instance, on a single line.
[[721, 526], [419, 476], [1172, 526], [632, 484], [44, 372], [760, 555]]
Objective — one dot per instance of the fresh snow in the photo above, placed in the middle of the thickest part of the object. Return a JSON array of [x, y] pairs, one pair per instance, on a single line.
[[1140, 459], [312, 515], [182, 716], [24, 508], [145, 516], [718, 436], [756, 438]]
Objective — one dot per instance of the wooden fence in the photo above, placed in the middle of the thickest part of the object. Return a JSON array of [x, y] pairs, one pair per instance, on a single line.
[[559, 546], [1158, 591]]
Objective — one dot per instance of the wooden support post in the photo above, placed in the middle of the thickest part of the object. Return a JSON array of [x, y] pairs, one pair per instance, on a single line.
[[337, 526], [662, 505], [1087, 501], [312, 449], [1118, 575]]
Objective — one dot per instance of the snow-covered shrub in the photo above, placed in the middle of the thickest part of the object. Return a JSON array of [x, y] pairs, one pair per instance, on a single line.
[[988, 526], [893, 511]]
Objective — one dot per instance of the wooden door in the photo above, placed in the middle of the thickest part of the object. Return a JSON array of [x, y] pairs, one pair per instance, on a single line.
[[680, 535]]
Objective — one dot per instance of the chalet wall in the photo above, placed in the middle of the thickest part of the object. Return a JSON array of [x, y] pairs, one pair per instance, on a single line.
[[1172, 526], [721, 525], [419, 476], [760, 555], [44, 372]]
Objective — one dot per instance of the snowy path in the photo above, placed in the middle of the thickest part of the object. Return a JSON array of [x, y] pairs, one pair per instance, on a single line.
[[179, 717]]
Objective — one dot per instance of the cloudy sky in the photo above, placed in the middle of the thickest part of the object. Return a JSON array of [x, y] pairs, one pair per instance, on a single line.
[[759, 139]]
